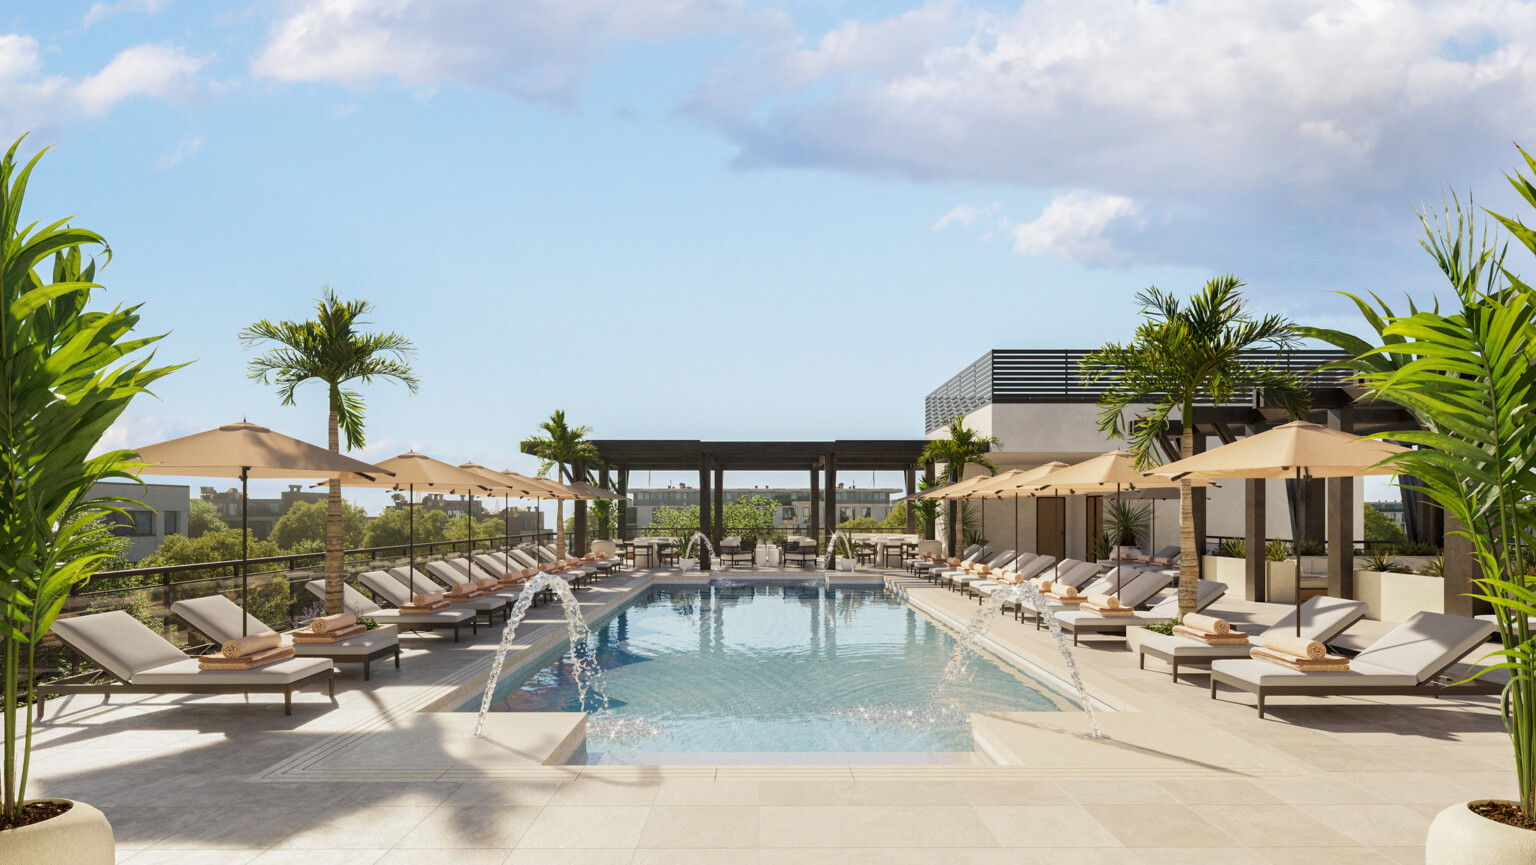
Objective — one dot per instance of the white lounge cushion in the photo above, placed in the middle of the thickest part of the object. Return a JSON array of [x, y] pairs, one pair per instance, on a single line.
[[406, 620], [1207, 592], [217, 617], [352, 600], [1183, 648], [121, 644], [1425, 644], [362, 644], [186, 672], [1267, 675], [444, 572]]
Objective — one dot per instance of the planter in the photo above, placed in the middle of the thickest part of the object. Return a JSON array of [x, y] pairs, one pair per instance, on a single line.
[[1459, 836], [688, 564], [846, 564], [1393, 597], [79, 836], [1133, 637], [1232, 572]]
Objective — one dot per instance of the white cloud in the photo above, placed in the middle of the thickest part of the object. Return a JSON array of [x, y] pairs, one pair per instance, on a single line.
[[534, 50], [1077, 227], [99, 11], [1217, 116], [32, 99], [964, 215], [186, 148]]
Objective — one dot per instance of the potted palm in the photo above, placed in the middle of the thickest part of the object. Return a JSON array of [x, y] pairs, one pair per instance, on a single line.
[[1467, 375], [961, 446], [66, 382]]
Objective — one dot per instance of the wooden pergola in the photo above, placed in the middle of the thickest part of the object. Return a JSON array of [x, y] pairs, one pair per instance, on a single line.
[[711, 459]]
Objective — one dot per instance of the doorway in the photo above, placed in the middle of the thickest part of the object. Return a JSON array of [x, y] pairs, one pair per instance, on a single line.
[[1051, 527]]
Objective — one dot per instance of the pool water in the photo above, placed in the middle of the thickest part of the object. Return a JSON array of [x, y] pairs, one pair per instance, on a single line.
[[774, 668]]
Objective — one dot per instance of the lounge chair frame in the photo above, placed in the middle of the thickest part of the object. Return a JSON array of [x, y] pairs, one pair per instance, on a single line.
[[1437, 685], [106, 684], [366, 660]]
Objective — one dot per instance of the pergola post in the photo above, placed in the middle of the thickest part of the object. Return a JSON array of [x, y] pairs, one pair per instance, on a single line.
[[1459, 571], [910, 476], [1341, 519], [623, 504], [1255, 579], [704, 507], [579, 529], [815, 507], [930, 473], [829, 477], [718, 534], [605, 530]]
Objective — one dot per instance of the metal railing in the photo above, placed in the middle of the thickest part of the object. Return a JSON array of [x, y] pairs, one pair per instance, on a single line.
[[1054, 376]]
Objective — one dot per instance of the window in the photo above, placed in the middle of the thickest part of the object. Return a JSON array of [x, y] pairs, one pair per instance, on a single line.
[[866, 512], [135, 524], [172, 522], [805, 512]]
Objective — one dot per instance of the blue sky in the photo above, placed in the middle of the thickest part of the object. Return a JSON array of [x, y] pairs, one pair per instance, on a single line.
[[737, 220]]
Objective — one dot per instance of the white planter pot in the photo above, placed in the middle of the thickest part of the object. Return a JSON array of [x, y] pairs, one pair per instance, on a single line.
[[688, 564], [1458, 836], [846, 564], [79, 836]]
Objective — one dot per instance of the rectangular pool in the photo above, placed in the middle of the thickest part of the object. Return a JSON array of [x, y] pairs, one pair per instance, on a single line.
[[775, 670]]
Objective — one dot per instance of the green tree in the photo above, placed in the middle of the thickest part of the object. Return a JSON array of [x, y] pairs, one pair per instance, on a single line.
[[331, 349], [1181, 354], [751, 517], [202, 517], [68, 374], [563, 448], [959, 448], [1379, 528], [209, 547], [392, 527], [307, 521]]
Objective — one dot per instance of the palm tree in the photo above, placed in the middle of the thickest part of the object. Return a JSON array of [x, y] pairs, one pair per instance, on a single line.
[[561, 448], [1181, 354], [332, 350], [961, 448]]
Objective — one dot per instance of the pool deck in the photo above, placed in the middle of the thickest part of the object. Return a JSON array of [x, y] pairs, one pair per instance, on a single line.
[[375, 778]]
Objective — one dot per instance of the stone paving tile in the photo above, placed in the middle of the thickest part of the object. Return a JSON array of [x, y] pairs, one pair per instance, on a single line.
[[888, 856], [871, 826], [720, 826], [188, 857], [1160, 826], [1012, 792], [1204, 792], [1323, 856], [365, 828], [1375, 825], [470, 826], [703, 856], [445, 856], [1185, 855], [587, 826], [1045, 826], [526, 856], [1272, 826]]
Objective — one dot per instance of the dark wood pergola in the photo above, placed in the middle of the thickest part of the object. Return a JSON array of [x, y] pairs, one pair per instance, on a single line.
[[711, 459]]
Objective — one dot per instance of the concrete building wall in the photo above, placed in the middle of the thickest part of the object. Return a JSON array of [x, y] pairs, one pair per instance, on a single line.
[[165, 513]]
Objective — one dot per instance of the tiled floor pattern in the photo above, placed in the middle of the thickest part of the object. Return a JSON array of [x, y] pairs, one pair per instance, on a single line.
[[181, 782]]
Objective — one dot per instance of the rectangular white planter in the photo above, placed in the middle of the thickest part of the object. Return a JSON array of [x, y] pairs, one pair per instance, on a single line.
[[1393, 597], [1233, 572]]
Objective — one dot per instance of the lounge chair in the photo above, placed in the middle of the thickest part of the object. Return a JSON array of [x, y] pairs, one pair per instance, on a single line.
[[736, 554], [142, 662], [923, 548], [1131, 588], [929, 570], [803, 553], [218, 618], [407, 583], [1081, 622], [454, 574], [1409, 660], [354, 602], [1026, 567], [957, 578], [1322, 619]]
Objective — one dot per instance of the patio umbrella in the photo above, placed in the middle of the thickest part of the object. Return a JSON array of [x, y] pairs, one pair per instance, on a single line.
[[509, 486], [1016, 484], [1299, 449], [545, 489], [411, 470], [246, 451], [1115, 470]]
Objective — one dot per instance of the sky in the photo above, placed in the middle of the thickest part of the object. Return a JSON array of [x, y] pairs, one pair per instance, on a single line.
[[725, 219]]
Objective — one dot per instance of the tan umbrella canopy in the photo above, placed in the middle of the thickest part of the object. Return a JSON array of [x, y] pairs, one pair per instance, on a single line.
[[412, 470], [1015, 484], [587, 492], [246, 451], [956, 490], [510, 485], [1299, 449]]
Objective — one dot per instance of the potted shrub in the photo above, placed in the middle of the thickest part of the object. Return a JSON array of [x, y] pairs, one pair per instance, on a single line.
[[847, 554], [66, 383], [1465, 371]]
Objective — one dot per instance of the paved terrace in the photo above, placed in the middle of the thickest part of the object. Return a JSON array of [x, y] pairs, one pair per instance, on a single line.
[[211, 779]]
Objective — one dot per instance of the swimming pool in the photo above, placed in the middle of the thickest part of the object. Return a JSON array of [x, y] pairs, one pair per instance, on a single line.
[[774, 669]]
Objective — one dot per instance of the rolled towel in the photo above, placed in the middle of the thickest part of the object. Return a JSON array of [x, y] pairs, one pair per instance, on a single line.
[[463, 589], [983, 569], [426, 599], [1106, 602], [530, 573], [487, 582], [1230, 638], [1208, 624], [1325, 664], [1066, 591], [245, 662], [1286, 644], [1162, 562], [338, 622], [250, 644], [1043, 586]]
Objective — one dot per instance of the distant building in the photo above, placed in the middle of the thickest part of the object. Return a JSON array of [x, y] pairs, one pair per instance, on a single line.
[[1393, 511], [793, 505], [146, 527], [440, 502], [263, 513]]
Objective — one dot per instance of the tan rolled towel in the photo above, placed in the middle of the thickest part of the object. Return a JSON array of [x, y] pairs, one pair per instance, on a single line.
[[530, 573], [1325, 664], [426, 599], [1044, 586], [486, 582], [1108, 602], [1162, 563], [1296, 647], [250, 644], [310, 637], [1208, 624], [1230, 638], [245, 662], [1067, 591], [1111, 612], [426, 608], [338, 622]]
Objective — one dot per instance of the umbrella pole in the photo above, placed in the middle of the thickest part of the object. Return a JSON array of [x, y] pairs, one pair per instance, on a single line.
[[1119, 574], [410, 518], [506, 519], [1301, 528], [245, 540], [469, 528]]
